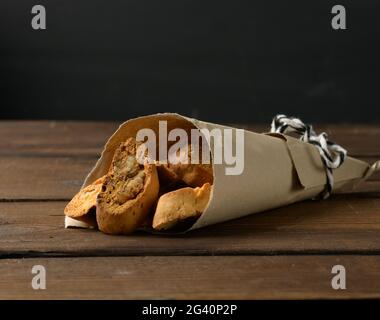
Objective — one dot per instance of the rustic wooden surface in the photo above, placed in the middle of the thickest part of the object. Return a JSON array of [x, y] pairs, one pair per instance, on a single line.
[[282, 253], [189, 277]]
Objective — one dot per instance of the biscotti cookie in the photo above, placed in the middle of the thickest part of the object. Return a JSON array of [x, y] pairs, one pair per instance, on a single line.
[[82, 206], [128, 192], [179, 205], [194, 175]]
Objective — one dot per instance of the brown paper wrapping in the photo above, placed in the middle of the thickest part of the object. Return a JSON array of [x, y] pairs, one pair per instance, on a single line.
[[278, 170]]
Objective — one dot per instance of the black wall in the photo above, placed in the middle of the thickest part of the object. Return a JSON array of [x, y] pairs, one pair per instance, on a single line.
[[222, 60]]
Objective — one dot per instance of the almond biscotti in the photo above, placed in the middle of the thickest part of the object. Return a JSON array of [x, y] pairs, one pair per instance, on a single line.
[[194, 175], [82, 206], [138, 194], [180, 205], [128, 193]]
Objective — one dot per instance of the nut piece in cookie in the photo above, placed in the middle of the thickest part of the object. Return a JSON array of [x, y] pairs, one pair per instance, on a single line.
[[82, 206], [179, 205], [128, 192]]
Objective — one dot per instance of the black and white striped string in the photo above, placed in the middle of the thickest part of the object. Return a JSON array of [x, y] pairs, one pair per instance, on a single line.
[[332, 154]]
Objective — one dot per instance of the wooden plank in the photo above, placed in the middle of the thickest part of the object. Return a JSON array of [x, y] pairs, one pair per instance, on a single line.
[[231, 277], [51, 178], [60, 138], [87, 138], [341, 224], [42, 178]]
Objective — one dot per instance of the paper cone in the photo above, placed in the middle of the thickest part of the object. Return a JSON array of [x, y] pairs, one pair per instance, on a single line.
[[278, 170]]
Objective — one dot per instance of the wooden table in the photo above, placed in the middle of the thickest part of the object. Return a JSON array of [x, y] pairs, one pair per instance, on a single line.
[[283, 253]]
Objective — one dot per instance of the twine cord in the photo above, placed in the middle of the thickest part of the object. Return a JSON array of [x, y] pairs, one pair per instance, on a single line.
[[332, 154]]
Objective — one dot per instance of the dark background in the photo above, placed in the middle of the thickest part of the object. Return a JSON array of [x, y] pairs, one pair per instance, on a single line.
[[224, 60]]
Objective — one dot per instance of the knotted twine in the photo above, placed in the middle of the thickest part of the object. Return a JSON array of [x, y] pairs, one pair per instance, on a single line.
[[332, 154]]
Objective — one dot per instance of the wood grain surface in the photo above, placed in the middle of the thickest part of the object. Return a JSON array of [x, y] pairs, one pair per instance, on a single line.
[[282, 253], [339, 225], [87, 138], [237, 277]]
